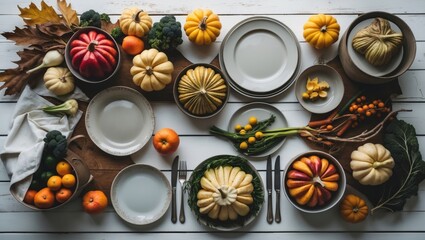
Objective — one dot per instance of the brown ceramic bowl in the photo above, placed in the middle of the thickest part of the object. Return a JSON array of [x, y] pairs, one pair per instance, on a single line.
[[357, 67]]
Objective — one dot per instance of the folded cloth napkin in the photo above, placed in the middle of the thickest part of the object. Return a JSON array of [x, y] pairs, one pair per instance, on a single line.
[[24, 144]]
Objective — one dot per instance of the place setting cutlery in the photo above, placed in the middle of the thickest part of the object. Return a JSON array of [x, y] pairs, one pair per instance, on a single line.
[[269, 186], [178, 172]]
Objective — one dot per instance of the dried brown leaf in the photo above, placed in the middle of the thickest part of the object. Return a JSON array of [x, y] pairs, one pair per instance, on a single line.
[[69, 14], [27, 36], [54, 29], [32, 15], [14, 81], [29, 58]]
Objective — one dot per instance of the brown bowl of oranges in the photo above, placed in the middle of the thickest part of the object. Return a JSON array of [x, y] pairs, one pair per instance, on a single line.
[[57, 181]]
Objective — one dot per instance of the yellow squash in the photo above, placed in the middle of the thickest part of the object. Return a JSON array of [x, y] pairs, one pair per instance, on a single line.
[[321, 31], [202, 26], [135, 22], [151, 70]]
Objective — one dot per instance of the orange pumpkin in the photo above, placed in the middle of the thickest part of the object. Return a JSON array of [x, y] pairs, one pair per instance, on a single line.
[[321, 31], [353, 208], [95, 201], [166, 141]]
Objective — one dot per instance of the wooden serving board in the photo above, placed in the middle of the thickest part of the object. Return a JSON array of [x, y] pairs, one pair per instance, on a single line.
[[382, 91]]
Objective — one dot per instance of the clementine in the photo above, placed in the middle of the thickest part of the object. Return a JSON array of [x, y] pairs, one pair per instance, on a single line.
[[54, 183], [95, 201], [44, 198], [29, 196], [166, 141], [63, 195], [63, 168], [132, 45], [68, 180]]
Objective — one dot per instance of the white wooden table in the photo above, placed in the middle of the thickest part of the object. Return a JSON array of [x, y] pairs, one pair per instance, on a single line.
[[70, 222]]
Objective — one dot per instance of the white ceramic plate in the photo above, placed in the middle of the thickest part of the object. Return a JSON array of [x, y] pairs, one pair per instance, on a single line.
[[140, 194], [261, 111], [260, 54], [335, 92], [119, 120], [359, 59]]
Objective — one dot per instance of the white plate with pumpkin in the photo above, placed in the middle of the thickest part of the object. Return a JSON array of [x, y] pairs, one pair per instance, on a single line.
[[260, 55], [225, 192], [119, 120]]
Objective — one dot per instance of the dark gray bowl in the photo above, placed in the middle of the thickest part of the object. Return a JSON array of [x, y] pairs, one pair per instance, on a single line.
[[75, 72]]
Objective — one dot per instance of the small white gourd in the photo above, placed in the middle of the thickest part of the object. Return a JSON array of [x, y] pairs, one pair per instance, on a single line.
[[59, 80], [372, 164]]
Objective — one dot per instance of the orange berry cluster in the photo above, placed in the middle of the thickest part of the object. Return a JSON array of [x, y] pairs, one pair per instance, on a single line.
[[365, 109]]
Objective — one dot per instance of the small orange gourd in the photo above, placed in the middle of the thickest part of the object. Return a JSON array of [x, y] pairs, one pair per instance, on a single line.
[[353, 208], [202, 26], [321, 31]]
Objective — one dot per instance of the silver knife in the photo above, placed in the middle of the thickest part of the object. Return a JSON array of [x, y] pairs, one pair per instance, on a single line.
[[277, 217], [174, 169], [269, 190]]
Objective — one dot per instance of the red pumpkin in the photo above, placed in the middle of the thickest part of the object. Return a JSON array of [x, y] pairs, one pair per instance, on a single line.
[[166, 141], [93, 55]]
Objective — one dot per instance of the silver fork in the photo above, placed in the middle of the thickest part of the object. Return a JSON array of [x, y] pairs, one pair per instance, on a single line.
[[182, 180]]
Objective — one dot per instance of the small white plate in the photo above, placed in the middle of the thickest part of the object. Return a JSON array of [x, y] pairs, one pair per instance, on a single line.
[[360, 61], [140, 194], [335, 92], [260, 54], [119, 120], [261, 111]]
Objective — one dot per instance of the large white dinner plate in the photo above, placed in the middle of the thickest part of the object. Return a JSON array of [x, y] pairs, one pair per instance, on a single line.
[[261, 111], [360, 61], [119, 120], [140, 194], [260, 55], [335, 92]]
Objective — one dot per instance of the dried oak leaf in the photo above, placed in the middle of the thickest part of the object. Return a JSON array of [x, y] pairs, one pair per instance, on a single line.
[[69, 14], [54, 29], [29, 58], [32, 15], [108, 26], [27, 36]]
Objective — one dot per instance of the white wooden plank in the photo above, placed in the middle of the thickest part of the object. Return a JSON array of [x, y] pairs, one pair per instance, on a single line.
[[6, 110], [239, 7], [216, 235]]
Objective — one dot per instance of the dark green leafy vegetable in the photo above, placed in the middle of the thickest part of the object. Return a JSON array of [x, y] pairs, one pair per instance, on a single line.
[[105, 17], [165, 34], [90, 18], [193, 186], [117, 34], [400, 139], [56, 143]]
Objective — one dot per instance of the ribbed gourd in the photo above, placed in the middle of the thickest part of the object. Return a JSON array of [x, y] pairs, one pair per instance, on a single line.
[[225, 193], [59, 80], [372, 164], [202, 26], [135, 22], [151, 70], [202, 90]]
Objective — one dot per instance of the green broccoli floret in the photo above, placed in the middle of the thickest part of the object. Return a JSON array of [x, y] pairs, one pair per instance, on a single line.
[[117, 34], [90, 18], [105, 17], [55, 143], [165, 34]]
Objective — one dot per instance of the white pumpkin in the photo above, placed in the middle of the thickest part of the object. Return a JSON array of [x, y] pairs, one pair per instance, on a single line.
[[372, 164], [226, 193], [59, 80]]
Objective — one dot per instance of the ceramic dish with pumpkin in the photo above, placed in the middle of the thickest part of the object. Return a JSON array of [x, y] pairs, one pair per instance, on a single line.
[[225, 192], [200, 90]]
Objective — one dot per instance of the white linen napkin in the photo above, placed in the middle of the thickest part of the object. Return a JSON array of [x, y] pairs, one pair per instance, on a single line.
[[24, 144]]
